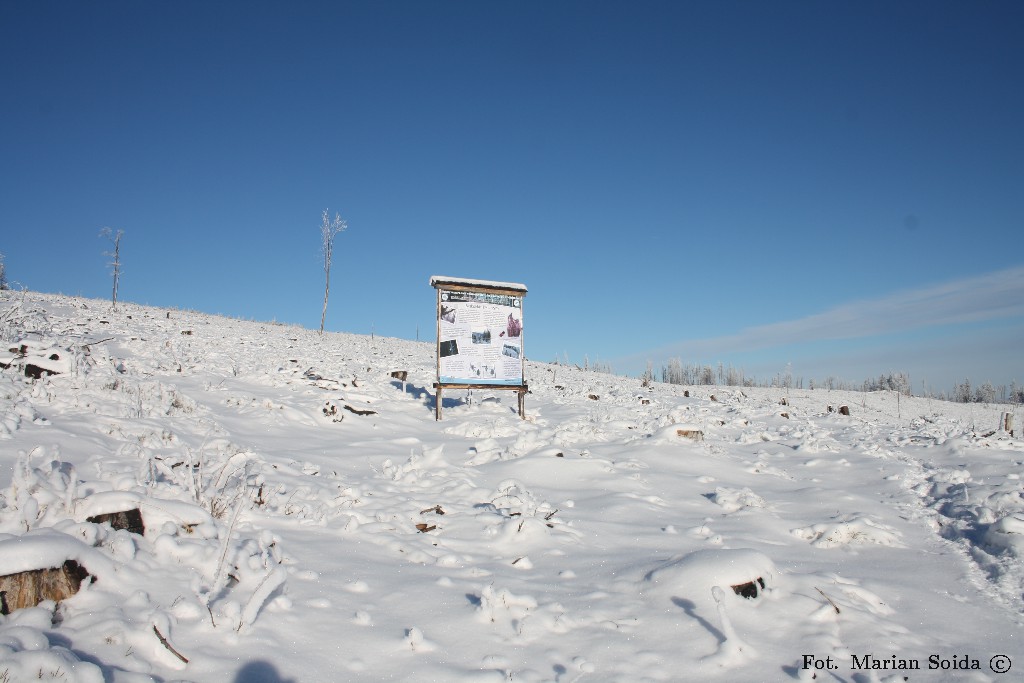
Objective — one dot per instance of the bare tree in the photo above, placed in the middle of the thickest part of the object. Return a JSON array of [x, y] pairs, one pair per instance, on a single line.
[[115, 256], [329, 229]]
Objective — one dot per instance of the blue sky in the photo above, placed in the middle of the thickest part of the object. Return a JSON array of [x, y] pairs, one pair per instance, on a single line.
[[837, 187]]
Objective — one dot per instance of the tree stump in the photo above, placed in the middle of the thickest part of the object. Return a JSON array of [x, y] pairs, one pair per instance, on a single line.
[[28, 589], [129, 520], [694, 434], [844, 410]]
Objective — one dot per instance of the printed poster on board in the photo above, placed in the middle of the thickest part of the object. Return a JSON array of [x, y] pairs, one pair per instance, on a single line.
[[480, 338]]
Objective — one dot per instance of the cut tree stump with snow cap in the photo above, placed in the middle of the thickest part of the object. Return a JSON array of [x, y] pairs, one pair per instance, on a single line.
[[746, 572], [29, 588], [129, 520]]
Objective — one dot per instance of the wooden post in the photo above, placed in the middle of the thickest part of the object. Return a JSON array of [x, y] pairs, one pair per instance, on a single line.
[[520, 389]]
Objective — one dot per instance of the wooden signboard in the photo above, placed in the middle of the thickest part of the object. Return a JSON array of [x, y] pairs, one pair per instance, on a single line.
[[479, 336]]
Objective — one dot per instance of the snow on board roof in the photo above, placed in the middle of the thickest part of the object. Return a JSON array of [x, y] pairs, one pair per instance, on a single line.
[[440, 280]]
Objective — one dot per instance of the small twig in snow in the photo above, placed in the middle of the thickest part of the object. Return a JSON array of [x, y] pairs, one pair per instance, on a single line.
[[834, 606], [163, 641]]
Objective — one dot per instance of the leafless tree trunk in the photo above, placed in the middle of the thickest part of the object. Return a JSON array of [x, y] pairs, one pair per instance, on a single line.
[[115, 263], [329, 229]]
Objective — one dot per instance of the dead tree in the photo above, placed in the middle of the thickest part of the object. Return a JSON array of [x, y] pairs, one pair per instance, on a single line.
[[115, 256], [329, 229]]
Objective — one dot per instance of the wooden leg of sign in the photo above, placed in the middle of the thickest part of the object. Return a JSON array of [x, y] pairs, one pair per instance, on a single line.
[[437, 402], [522, 404]]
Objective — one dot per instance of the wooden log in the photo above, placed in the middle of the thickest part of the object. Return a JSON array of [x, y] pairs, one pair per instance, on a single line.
[[357, 411], [29, 588]]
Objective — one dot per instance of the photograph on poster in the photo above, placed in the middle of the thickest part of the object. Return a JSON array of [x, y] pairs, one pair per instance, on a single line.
[[482, 371], [515, 326], [448, 348], [447, 314], [510, 351]]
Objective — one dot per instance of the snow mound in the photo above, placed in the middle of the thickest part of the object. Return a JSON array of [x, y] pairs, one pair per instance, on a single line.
[[1008, 533], [733, 500], [48, 549], [693, 576], [858, 530]]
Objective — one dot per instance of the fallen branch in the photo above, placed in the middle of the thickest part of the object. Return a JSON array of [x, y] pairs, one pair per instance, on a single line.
[[834, 606], [163, 641], [359, 412], [98, 342]]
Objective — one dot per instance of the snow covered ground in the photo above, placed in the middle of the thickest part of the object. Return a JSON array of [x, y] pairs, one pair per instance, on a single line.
[[307, 519]]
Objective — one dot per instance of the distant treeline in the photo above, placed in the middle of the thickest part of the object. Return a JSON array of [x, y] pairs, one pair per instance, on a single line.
[[677, 372]]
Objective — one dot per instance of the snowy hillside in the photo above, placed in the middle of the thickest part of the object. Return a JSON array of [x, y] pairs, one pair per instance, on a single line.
[[307, 519]]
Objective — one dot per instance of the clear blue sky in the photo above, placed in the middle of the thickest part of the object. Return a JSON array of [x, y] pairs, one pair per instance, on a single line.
[[836, 186]]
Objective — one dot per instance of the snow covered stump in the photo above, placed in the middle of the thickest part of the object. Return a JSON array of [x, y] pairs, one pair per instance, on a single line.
[[45, 564], [129, 520], [745, 572], [1006, 423], [29, 588], [710, 582], [679, 431], [689, 432]]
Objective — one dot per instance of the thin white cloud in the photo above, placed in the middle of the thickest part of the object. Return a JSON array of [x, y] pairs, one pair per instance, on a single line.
[[997, 295]]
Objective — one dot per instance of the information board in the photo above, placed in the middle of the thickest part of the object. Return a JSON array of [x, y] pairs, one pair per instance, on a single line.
[[480, 337]]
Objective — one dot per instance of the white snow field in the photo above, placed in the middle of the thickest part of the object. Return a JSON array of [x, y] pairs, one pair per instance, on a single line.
[[307, 519]]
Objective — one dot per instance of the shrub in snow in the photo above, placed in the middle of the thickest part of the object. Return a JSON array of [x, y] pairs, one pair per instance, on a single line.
[[857, 530], [733, 500], [42, 494]]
